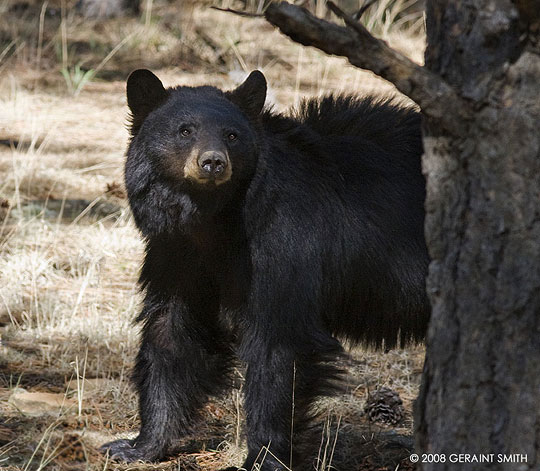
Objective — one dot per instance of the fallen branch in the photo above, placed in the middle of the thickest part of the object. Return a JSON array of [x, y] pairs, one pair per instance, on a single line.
[[435, 97]]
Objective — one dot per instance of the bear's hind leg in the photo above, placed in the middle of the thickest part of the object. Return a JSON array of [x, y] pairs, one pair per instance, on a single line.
[[282, 380]]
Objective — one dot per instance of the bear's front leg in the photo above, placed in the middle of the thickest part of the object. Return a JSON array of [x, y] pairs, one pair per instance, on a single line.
[[182, 360]]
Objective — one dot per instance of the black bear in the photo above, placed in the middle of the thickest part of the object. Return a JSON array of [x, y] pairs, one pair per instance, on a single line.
[[268, 237]]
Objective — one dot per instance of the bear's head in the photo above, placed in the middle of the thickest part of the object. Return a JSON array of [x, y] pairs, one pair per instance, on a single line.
[[191, 149]]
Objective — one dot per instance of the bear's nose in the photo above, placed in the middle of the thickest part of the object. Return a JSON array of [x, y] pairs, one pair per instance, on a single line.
[[212, 162]]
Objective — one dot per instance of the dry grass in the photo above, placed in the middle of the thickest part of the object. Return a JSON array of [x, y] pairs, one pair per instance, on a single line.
[[68, 270]]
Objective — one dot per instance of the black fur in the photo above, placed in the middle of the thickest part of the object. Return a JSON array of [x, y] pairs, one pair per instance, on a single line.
[[317, 235]]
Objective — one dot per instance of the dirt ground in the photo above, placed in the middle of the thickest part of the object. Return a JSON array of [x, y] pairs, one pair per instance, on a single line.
[[70, 254]]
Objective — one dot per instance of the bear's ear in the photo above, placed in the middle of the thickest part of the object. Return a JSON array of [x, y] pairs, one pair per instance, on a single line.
[[250, 95], [145, 92]]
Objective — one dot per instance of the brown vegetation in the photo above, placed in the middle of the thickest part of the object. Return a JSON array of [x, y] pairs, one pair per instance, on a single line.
[[69, 253]]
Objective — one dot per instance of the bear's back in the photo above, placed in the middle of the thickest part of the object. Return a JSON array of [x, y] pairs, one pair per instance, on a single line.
[[346, 176]]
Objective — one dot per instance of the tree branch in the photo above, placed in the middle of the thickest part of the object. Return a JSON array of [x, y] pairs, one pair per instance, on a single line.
[[435, 97], [363, 9], [238, 12]]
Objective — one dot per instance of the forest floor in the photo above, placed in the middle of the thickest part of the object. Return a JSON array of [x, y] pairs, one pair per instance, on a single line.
[[70, 254]]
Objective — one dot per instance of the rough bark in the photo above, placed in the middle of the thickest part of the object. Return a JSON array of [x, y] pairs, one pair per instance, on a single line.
[[481, 386]]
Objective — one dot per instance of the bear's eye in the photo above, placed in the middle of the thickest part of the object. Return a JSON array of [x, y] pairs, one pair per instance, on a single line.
[[232, 136], [185, 132]]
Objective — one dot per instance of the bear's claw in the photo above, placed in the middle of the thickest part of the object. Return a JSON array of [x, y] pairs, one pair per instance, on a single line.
[[126, 450]]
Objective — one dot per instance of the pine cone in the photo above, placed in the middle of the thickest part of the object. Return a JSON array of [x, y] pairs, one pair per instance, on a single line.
[[384, 405]]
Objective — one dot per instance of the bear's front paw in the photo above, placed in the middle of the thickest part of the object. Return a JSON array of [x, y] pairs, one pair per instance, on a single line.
[[128, 451]]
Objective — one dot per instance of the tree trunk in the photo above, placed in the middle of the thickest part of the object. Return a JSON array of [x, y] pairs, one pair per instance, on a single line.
[[479, 404], [481, 386]]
